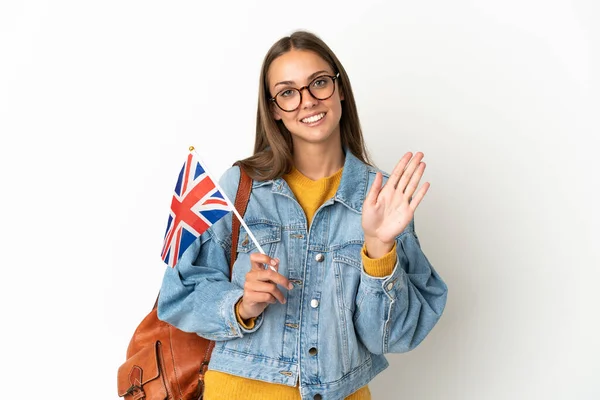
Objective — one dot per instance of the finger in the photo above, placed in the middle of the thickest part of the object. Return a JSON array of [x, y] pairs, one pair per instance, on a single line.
[[414, 181], [375, 189], [256, 287], [398, 170], [259, 260], [259, 297], [416, 200], [267, 275], [275, 277], [409, 171]]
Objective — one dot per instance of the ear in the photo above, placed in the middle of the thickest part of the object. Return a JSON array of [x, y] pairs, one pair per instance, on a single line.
[[275, 112], [341, 90]]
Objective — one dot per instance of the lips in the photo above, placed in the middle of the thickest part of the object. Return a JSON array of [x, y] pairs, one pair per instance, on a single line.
[[313, 118]]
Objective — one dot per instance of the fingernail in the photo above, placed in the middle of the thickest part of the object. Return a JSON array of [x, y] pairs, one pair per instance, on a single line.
[[290, 286], [273, 262]]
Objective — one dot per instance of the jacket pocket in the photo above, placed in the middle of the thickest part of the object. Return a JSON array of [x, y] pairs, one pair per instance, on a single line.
[[265, 233], [268, 235], [347, 264]]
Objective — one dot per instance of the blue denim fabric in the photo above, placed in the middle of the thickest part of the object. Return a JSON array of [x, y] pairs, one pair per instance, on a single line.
[[338, 322]]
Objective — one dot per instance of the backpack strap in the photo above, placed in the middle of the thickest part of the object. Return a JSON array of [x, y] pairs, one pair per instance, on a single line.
[[241, 203]]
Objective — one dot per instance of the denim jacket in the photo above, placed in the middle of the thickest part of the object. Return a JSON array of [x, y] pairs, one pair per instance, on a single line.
[[337, 323]]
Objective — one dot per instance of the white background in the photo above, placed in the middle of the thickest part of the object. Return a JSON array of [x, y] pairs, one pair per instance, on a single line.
[[100, 100]]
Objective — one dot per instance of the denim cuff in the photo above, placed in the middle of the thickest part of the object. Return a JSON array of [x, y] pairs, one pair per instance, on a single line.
[[228, 314], [247, 328], [387, 284]]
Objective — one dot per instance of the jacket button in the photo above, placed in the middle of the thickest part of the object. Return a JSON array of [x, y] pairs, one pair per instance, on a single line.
[[313, 351], [390, 286], [319, 257], [314, 303], [317, 397]]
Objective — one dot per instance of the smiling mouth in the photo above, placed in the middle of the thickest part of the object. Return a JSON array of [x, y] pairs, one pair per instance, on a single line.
[[313, 119]]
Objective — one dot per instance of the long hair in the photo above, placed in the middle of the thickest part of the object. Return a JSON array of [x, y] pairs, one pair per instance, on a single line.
[[273, 147]]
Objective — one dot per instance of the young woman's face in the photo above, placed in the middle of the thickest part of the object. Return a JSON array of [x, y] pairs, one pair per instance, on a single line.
[[314, 121]]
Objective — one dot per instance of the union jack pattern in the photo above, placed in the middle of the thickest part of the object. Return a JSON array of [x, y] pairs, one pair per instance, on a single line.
[[196, 205]]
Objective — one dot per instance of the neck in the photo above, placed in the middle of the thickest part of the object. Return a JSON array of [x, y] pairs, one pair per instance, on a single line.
[[316, 161]]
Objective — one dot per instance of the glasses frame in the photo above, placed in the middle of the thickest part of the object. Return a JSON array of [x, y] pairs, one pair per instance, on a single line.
[[307, 87]]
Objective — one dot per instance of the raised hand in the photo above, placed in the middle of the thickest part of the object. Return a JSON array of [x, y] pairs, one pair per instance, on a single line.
[[260, 288], [388, 210]]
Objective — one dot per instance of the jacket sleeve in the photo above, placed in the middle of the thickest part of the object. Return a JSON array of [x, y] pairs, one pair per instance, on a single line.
[[395, 313], [197, 294]]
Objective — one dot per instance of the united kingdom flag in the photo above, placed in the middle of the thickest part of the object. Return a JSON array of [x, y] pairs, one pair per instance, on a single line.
[[197, 204]]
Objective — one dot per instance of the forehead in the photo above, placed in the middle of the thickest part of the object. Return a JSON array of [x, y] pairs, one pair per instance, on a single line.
[[296, 66]]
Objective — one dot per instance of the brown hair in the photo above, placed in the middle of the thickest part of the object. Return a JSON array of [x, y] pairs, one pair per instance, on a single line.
[[273, 143]]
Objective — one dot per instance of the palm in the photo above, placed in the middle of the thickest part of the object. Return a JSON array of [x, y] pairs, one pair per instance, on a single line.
[[385, 220], [388, 210]]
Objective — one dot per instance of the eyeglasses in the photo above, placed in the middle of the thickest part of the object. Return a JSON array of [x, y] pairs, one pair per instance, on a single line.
[[321, 88]]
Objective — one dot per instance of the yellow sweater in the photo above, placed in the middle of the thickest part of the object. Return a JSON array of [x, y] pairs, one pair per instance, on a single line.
[[221, 386]]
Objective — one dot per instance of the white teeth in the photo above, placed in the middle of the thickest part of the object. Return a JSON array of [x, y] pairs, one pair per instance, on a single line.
[[313, 119]]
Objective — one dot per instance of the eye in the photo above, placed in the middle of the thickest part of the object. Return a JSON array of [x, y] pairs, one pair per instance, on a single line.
[[320, 82], [287, 93]]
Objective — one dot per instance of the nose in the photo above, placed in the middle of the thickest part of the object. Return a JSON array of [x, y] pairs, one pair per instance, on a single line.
[[308, 100]]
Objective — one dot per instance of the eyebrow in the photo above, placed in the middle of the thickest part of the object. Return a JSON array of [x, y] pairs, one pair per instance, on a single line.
[[310, 78]]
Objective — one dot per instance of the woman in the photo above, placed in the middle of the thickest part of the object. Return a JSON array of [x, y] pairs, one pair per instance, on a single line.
[[348, 282]]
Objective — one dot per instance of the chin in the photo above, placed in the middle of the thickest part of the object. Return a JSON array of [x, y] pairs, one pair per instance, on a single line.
[[315, 136]]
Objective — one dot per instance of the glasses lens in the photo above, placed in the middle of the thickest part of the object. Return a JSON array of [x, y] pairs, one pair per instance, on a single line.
[[288, 99], [322, 87]]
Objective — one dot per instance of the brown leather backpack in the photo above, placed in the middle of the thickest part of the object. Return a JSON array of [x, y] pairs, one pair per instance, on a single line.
[[164, 362]]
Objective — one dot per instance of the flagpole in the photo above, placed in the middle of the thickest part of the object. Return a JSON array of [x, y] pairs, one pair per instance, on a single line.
[[230, 204]]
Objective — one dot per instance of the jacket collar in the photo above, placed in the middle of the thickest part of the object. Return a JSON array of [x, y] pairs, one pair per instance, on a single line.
[[353, 186], [351, 191]]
